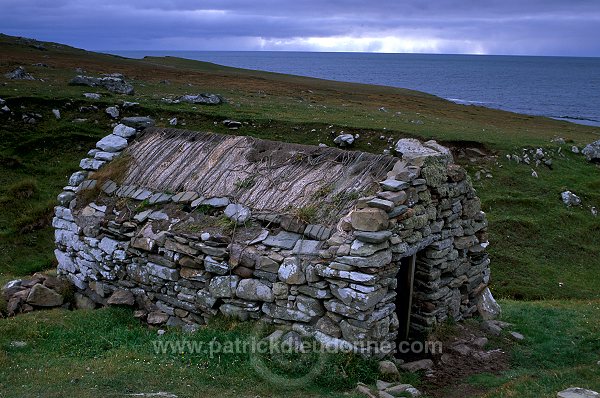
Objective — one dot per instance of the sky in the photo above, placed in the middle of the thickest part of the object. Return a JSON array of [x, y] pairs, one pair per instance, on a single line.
[[519, 27]]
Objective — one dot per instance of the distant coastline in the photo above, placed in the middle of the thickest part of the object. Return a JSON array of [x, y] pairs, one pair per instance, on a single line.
[[563, 88]]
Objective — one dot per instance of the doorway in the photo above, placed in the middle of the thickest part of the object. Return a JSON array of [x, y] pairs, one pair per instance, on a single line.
[[404, 294]]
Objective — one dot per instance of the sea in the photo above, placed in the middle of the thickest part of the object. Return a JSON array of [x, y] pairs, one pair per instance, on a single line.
[[565, 88]]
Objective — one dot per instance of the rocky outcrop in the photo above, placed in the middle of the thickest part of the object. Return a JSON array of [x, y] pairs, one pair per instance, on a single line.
[[19, 74], [592, 151], [202, 99], [114, 84]]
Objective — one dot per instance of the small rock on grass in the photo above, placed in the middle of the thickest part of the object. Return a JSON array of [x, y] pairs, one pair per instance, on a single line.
[[516, 336], [577, 392], [415, 366], [388, 369]]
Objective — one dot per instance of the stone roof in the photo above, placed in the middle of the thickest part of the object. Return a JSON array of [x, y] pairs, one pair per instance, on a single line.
[[263, 175]]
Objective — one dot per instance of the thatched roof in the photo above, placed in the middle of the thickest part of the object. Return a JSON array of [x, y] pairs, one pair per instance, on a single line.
[[263, 175]]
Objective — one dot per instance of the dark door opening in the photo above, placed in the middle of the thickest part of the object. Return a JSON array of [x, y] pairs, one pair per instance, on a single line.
[[404, 294]]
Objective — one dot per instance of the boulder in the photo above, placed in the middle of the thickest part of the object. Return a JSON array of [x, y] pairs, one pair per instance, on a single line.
[[592, 151], [19, 74], [41, 296], [388, 370], [344, 140], [570, 199], [112, 143]]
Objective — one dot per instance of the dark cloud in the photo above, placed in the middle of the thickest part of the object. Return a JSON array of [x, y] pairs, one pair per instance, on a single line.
[[553, 27]]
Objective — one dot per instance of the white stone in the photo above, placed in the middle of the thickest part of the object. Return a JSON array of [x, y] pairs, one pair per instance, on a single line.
[[56, 113], [487, 306], [124, 131], [112, 143], [112, 111]]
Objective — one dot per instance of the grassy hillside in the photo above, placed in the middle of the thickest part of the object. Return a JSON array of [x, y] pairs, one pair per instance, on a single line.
[[540, 249]]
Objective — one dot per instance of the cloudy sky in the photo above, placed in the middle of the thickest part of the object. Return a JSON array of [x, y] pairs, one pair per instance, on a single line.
[[535, 27]]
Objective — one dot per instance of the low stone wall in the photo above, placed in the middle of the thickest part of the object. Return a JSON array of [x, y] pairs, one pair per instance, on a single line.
[[182, 260]]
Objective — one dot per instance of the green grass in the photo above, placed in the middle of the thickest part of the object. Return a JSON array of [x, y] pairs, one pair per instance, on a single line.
[[96, 353], [561, 349]]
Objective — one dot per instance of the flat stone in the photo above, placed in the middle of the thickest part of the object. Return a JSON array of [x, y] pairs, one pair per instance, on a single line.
[[516, 336], [394, 185], [577, 392], [398, 211], [385, 205], [373, 237], [284, 240], [109, 187], [358, 277], [185, 197], [415, 366], [317, 231], [216, 202], [377, 260], [305, 247], [159, 198], [112, 143], [363, 249], [138, 122], [397, 198]]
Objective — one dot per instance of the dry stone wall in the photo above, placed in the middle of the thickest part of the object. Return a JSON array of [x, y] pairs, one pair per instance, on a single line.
[[182, 258]]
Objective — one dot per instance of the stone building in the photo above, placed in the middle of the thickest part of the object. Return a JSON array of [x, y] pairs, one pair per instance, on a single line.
[[344, 246]]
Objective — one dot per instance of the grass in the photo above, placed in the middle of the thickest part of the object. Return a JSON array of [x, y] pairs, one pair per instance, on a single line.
[[544, 255], [561, 349], [95, 353]]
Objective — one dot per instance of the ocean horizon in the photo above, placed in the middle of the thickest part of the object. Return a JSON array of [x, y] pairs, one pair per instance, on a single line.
[[563, 88]]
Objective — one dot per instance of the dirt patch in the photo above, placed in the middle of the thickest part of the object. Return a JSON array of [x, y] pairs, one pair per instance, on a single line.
[[467, 351]]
